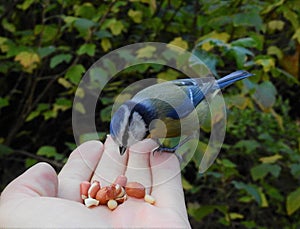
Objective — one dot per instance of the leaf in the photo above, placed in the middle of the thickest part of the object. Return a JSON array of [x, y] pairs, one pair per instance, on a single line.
[[274, 50], [265, 95], [64, 82], [88, 49], [4, 102], [29, 60], [276, 25], [47, 151], [212, 39], [74, 73], [136, 15], [297, 35], [105, 44], [252, 190], [5, 150], [186, 185], [25, 5], [293, 202], [249, 145], [247, 42], [270, 159], [79, 107], [46, 51], [260, 171], [178, 41], [170, 74], [251, 18], [146, 52], [10, 27], [268, 63], [58, 59], [116, 27]]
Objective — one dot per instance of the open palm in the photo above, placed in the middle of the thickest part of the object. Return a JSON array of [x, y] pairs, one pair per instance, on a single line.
[[40, 198]]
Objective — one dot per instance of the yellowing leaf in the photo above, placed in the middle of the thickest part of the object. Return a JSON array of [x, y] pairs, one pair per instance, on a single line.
[[146, 52], [276, 25], [178, 41], [266, 63], [116, 27], [293, 202], [297, 35], [29, 60], [270, 159], [105, 44], [234, 215], [135, 15], [214, 35]]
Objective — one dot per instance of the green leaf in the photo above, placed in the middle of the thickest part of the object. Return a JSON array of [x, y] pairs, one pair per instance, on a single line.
[[106, 44], [146, 52], [74, 73], [88, 49], [58, 59], [5, 150], [276, 25], [260, 171], [247, 42], [265, 95], [274, 50], [10, 27], [46, 51], [251, 18], [270, 159], [4, 102], [116, 27], [252, 190], [25, 5], [199, 212], [30, 162], [293, 202], [136, 15], [47, 151], [249, 145]]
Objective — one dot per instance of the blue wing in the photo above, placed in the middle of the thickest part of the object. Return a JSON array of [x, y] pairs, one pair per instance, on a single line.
[[197, 90]]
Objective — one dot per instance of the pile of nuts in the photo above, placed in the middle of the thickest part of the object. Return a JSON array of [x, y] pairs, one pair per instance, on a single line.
[[117, 193]]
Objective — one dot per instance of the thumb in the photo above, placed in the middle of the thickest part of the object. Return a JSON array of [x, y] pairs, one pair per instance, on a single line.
[[39, 180]]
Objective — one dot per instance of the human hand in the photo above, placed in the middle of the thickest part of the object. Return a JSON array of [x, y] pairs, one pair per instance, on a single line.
[[40, 198]]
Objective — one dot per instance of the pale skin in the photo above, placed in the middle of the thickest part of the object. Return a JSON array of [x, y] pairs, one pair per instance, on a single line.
[[41, 198]]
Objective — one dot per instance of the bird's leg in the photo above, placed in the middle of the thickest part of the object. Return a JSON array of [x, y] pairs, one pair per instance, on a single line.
[[161, 148]]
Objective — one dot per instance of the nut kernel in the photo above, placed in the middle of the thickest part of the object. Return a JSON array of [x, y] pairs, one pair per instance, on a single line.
[[95, 187], [89, 202], [149, 199], [112, 204], [84, 187], [135, 189], [121, 180]]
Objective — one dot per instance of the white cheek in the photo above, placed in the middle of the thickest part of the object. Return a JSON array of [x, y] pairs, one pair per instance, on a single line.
[[137, 129]]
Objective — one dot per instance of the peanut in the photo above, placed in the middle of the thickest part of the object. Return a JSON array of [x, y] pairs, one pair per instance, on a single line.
[[135, 189], [89, 202], [105, 194], [95, 187], [112, 204], [84, 187], [149, 199]]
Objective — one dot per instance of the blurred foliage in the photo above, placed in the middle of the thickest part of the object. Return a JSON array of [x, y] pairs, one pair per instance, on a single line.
[[47, 46]]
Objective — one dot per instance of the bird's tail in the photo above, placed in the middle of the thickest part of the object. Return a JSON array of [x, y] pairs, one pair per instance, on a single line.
[[233, 77]]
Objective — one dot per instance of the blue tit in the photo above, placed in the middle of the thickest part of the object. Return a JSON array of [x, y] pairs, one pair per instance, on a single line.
[[170, 102]]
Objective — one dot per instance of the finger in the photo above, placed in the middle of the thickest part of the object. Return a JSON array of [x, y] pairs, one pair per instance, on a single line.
[[111, 165], [79, 167], [39, 180], [138, 166], [167, 187]]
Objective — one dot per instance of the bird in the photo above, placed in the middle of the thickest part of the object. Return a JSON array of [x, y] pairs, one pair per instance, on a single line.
[[164, 110]]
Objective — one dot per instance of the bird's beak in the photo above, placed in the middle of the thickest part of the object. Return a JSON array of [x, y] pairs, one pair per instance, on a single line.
[[122, 150]]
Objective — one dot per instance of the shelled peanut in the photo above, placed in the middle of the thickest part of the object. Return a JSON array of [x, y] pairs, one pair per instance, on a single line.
[[112, 195]]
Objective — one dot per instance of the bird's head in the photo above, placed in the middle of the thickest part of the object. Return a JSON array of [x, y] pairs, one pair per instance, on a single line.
[[128, 126]]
